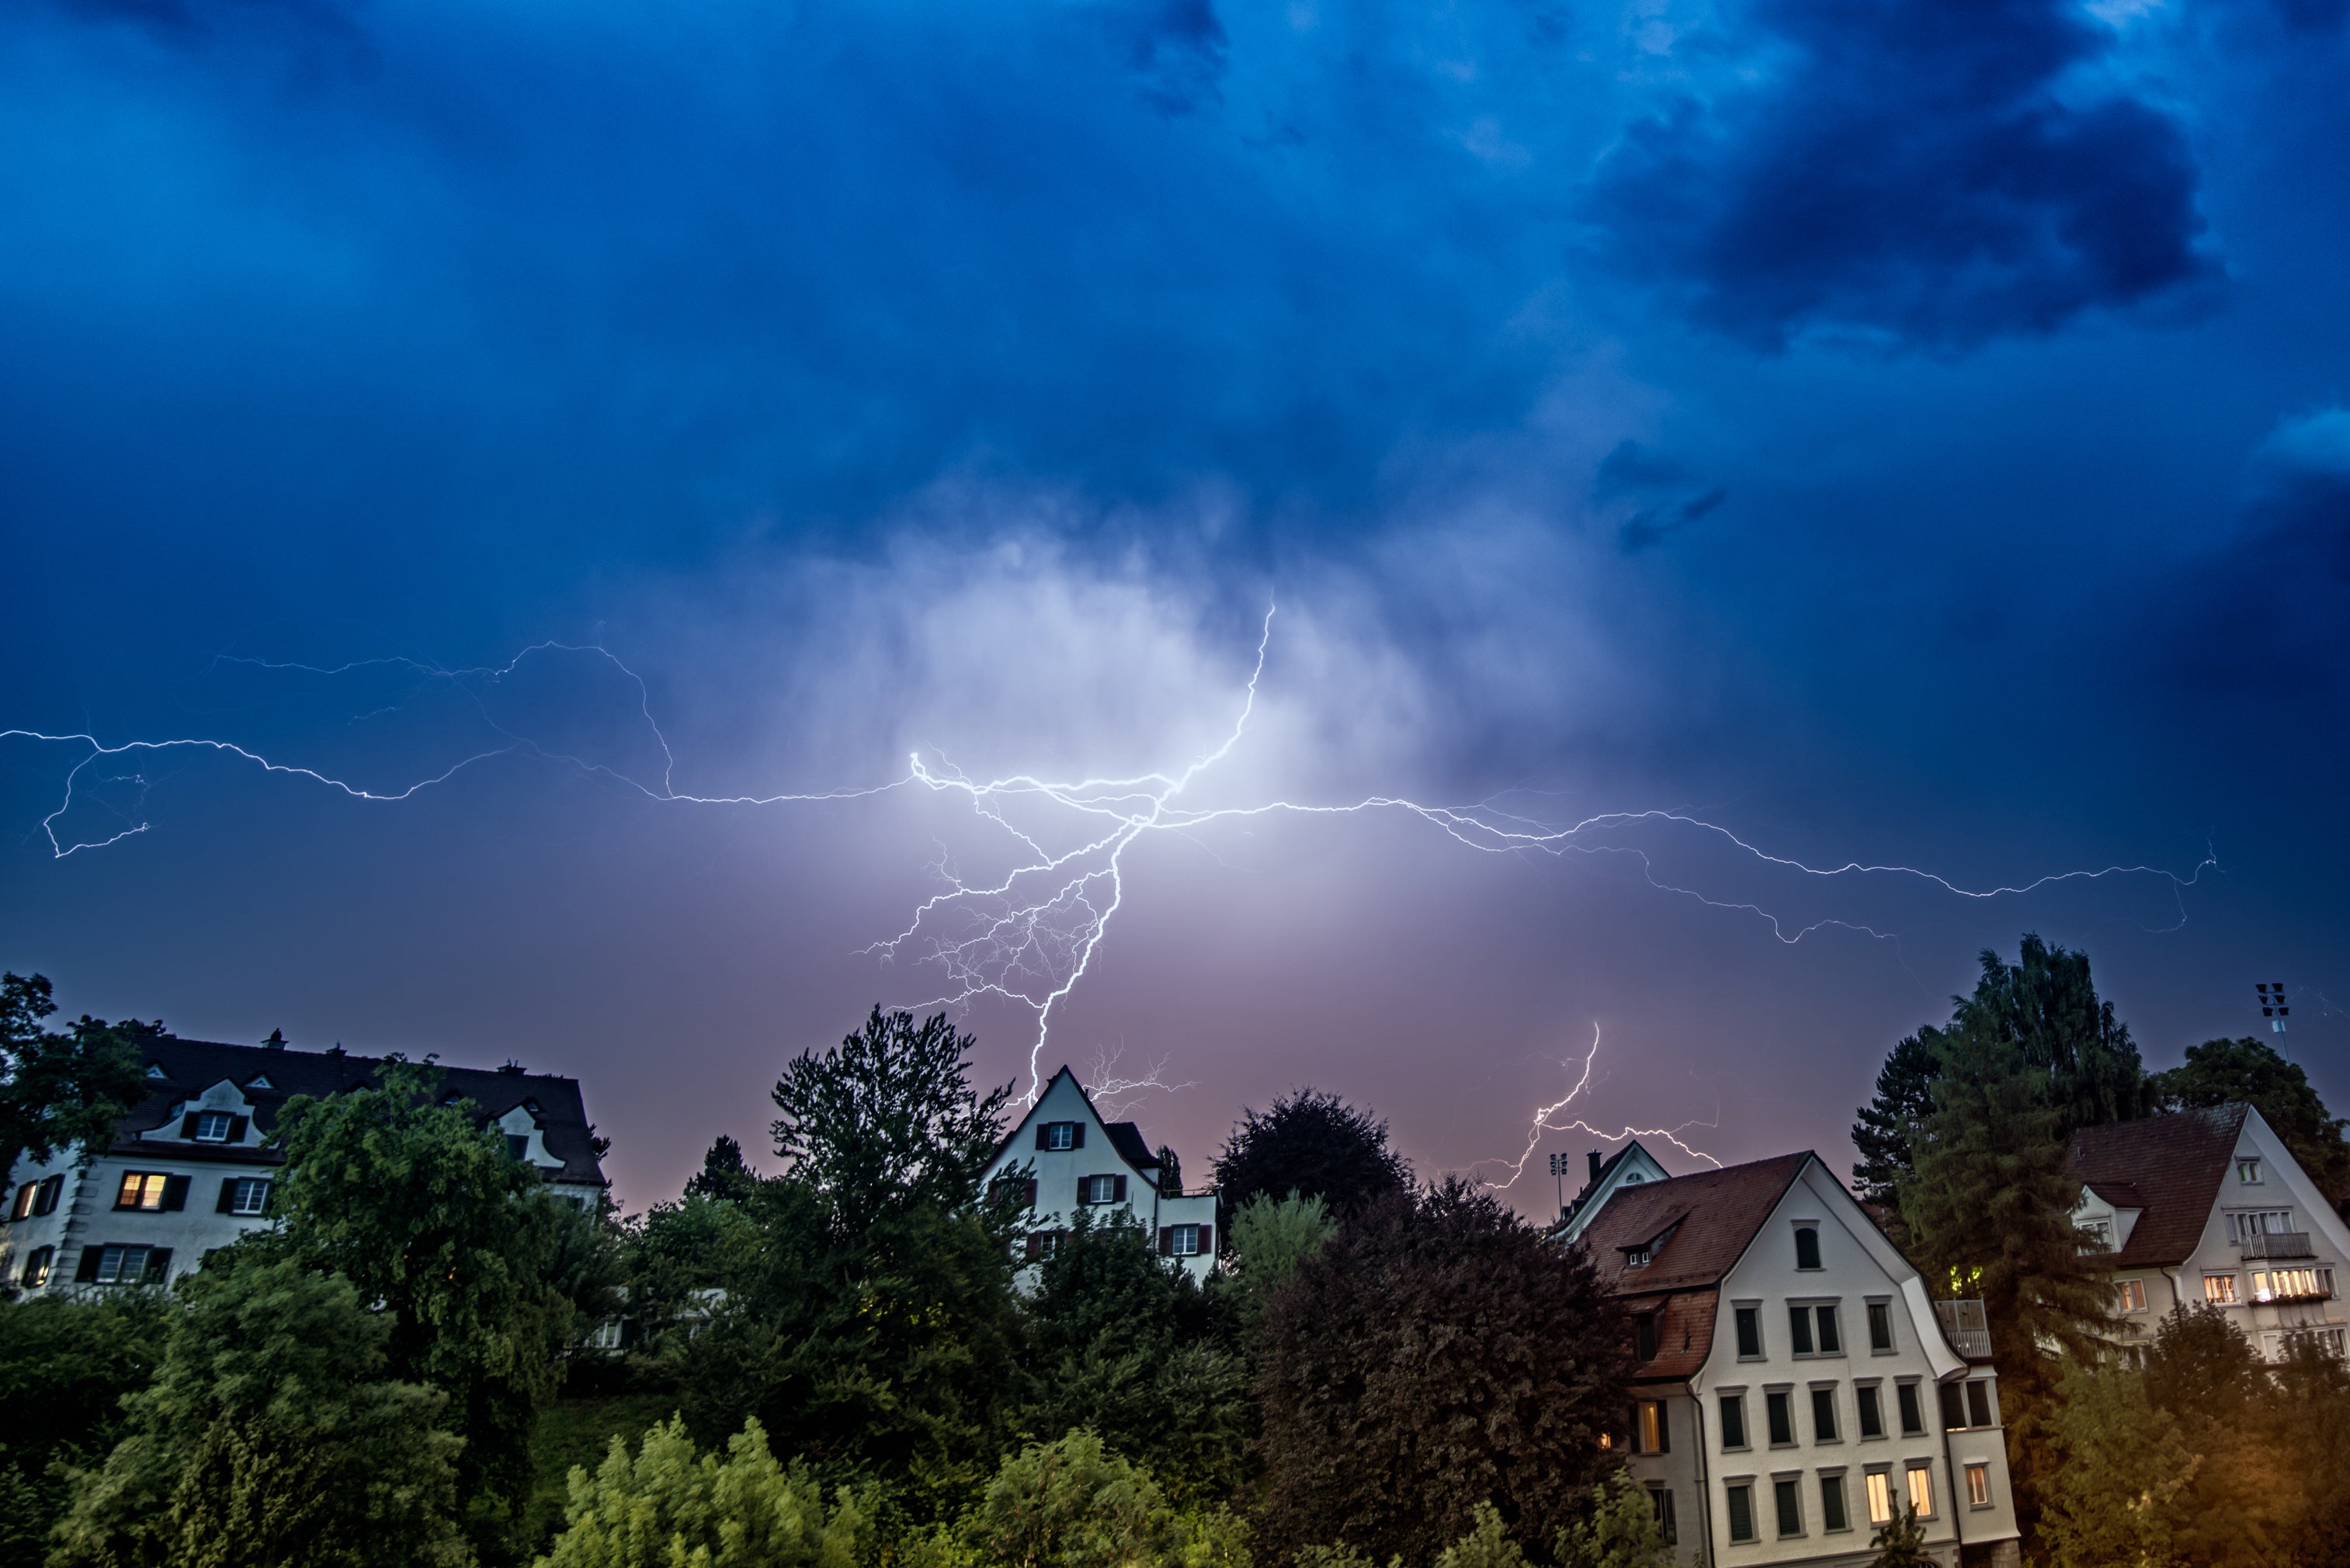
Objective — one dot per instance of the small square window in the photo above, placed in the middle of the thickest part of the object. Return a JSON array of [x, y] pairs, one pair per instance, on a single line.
[[1099, 1190], [1880, 1326], [1807, 1247], [248, 1195], [1061, 1135], [2129, 1295], [1787, 1499], [1740, 1498], [2248, 1172], [1872, 1410], [1979, 1486], [1832, 1514], [1184, 1241], [1880, 1497], [1750, 1332]]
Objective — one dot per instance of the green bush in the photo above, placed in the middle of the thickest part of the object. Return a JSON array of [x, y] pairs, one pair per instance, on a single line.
[[670, 1507]]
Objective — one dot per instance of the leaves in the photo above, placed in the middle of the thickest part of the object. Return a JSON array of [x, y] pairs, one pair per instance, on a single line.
[[1314, 1144], [670, 1507]]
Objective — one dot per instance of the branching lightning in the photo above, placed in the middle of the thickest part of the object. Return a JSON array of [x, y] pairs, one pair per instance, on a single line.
[[1030, 935], [1542, 1123]]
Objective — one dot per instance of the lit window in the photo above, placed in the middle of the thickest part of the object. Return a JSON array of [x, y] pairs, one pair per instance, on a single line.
[[143, 1189], [1978, 1486], [2248, 1172], [2292, 1284], [2129, 1295], [1921, 1492], [26, 1192], [1741, 1512], [2219, 1288], [248, 1195], [1880, 1326], [1807, 1247], [212, 1127], [1832, 1514], [1184, 1242], [1880, 1498], [1651, 1433], [36, 1268], [1788, 1501]]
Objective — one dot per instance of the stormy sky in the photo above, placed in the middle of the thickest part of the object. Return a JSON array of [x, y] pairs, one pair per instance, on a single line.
[[1870, 433]]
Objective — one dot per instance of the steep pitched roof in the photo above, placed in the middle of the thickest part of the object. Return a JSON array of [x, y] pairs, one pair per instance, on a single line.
[[2171, 1167], [1125, 1140], [1712, 1215], [191, 1066]]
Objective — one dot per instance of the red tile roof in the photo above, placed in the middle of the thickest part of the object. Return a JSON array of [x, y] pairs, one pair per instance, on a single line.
[[1713, 1215], [2171, 1167]]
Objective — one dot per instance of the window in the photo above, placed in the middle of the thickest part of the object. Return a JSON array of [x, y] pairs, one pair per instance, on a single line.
[[1921, 1491], [1880, 1497], [212, 1127], [2129, 1295], [1832, 1514], [245, 1195], [1638, 1257], [1652, 1431], [1750, 1334], [26, 1192], [1799, 1328], [1978, 1403], [518, 1146], [2248, 1172], [1872, 1412], [1039, 1245], [2292, 1284], [2097, 1235], [1807, 1247], [1184, 1240], [1828, 1341], [1787, 1496], [44, 1198], [1831, 1333], [1733, 1420], [1741, 1512], [143, 1189], [36, 1268], [2219, 1288], [124, 1265], [1823, 1416], [1880, 1326], [1060, 1136], [1913, 1413], [1979, 1486], [1954, 1410], [1644, 1336], [1779, 1405], [1102, 1190], [2244, 1223], [1662, 1500]]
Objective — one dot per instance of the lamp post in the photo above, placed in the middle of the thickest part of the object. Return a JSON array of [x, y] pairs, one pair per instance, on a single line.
[[2272, 1008], [1558, 1178]]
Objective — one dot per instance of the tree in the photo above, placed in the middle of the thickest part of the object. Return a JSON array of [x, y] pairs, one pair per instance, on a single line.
[[1269, 1240], [1486, 1545], [1437, 1353], [65, 1366], [462, 1249], [2238, 1506], [1314, 1144], [271, 1439], [58, 1090], [2311, 1420], [887, 1122], [1622, 1532], [1900, 1543], [723, 1174], [1905, 1096], [2246, 1071], [2112, 1494], [1073, 1503], [668, 1507]]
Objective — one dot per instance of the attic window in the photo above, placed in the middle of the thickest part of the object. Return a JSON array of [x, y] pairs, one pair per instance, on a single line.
[[452, 1097], [1633, 1179], [2248, 1172], [1640, 1256], [155, 1070], [261, 1082]]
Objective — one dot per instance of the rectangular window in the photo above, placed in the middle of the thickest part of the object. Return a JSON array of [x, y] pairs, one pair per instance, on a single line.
[[36, 1268], [1872, 1413], [121, 1265], [2248, 1223], [1807, 1247], [248, 1195], [1880, 1326], [1978, 1486], [1059, 1137], [1832, 1515], [1787, 1498], [212, 1127], [1921, 1491], [1880, 1498], [1651, 1430], [1823, 1416], [1913, 1413], [2248, 1172], [1799, 1327], [1954, 1415], [518, 1146], [1978, 1403], [1750, 1332], [1099, 1189], [1831, 1335], [143, 1189], [1741, 1512], [1185, 1241], [1780, 1406], [26, 1192], [1733, 1420], [1662, 1500], [2219, 1288], [2129, 1295]]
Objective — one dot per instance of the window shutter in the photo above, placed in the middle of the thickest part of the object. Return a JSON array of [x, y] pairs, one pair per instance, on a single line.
[[175, 1191], [1167, 1240], [1032, 1191], [1076, 1135], [87, 1273], [188, 1124], [1207, 1240], [1117, 1191], [1033, 1246], [236, 1126], [228, 1195], [1044, 1131], [159, 1265]]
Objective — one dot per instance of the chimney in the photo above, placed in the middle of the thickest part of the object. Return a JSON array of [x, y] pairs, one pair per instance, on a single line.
[[1594, 1164]]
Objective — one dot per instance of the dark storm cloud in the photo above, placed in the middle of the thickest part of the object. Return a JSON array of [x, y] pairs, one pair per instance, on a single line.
[[1943, 172], [1664, 495]]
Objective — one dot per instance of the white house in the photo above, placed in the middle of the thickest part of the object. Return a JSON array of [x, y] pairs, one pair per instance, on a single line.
[[2211, 1206], [1795, 1386], [188, 1168], [1069, 1160]]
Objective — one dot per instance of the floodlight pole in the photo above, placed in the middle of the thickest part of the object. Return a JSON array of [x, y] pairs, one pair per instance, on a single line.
[[2272, 1008]]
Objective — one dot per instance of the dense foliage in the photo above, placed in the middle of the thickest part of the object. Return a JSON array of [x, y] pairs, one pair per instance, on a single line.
[[668, 1506], [2246, 1071], [65, 1366], [60, 1088], [1314, 1144], [1437, 1353]]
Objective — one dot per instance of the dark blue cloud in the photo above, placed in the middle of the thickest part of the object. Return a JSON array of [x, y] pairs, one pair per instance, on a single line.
[[1940, 171], [1664, 497]]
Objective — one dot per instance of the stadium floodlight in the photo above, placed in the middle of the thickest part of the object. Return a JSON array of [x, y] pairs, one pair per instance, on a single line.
[[2273, 1004]]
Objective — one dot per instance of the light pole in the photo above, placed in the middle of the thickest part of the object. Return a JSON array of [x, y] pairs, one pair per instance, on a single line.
[[2274, 1008], [1558, 1178]]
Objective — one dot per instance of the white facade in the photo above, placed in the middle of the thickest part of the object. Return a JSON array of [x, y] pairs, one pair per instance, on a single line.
[[1080, 1163], [1807, 1393]]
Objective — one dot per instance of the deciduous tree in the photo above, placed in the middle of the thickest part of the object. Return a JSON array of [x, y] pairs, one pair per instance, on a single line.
[[65, 1366], [2225, 1072], [60, 1088], [668, 1507], [1312, 1144]]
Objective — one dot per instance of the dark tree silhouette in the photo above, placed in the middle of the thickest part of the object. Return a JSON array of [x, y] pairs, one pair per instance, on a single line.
[[2224, 1071], [723, 1173], [1315, 1144]]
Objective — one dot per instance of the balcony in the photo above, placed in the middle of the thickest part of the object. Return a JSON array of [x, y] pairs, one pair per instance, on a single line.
[[2277, 1245], [1968, 1329]]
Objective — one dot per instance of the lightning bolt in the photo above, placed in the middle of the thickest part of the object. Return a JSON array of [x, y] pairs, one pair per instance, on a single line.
[[1031, 935], [1542, 1123]]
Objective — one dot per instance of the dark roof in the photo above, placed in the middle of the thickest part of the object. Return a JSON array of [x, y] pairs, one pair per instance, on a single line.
[[1127, 1138], [2173, 1167], [1714, 1216], [1684, 1335], [191, 1066]]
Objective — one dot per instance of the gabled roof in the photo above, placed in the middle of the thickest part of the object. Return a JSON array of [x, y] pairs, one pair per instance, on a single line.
[[2171, 1167], [191, 1066], [1125, 1140], [1714, 1216]]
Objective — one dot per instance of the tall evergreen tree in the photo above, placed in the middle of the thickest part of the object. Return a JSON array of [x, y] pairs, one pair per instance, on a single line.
[[1905, 1096]]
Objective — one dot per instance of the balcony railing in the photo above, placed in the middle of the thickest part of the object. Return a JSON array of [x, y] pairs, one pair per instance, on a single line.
[[1968, 1329], [2278, 1245]]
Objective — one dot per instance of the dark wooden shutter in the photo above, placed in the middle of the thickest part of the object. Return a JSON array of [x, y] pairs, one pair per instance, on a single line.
[[1207, 1240], [1076, 1135], [159, 1265], [188, 1124], [175, 1191], [1044, 1131], [236, 1126], [1117, 1191], [1031, 1186], [227, 1197], [87, 1273], [1033, 1247], [1167, 1240]]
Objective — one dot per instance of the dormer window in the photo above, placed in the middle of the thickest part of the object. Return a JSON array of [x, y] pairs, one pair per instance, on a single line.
[[155, 1070], [213, 1126], [2248, 1172], [1641, 1256], [262, 1082], [518, 1146]]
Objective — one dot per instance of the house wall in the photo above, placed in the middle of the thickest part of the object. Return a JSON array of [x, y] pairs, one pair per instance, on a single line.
[[2221, 1255], [1058, 1173], [1858, 1265]]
